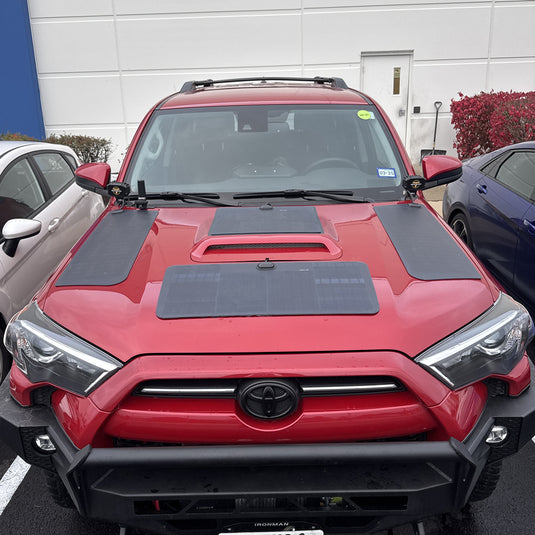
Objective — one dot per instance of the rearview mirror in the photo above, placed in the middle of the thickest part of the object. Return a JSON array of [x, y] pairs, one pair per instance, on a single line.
[[439, 170], [17, 229], [94, 177]]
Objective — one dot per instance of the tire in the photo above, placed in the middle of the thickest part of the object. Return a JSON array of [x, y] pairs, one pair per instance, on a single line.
[[460, 226], [487, 482], [5, 357], [57, 490]]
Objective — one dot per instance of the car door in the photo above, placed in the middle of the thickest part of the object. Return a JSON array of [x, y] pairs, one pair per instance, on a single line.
[[498, 201], [524, 279], [71, 207], [42, 187]]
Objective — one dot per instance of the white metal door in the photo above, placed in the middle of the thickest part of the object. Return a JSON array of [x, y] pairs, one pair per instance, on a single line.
[[386, 77]]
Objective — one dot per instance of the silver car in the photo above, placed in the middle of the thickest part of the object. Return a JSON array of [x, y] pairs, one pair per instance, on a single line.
[[43, 213]]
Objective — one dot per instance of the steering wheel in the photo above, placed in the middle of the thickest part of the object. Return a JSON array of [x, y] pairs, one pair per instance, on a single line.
[[327, 162]]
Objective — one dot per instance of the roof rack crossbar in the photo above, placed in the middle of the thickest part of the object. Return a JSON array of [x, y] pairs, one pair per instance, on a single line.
[[193, 84]]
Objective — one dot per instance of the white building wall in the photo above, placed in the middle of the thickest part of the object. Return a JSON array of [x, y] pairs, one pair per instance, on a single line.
[[102, 64]]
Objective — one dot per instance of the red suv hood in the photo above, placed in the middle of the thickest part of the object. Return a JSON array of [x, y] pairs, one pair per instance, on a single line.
[[413, 314]]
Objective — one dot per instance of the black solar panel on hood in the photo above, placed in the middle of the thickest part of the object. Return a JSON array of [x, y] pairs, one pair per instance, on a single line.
[[266, 220], [249, 289]]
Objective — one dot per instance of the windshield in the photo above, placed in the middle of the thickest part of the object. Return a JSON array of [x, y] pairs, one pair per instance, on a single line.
[[247, 149]]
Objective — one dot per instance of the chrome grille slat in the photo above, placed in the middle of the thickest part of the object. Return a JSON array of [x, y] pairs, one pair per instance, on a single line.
[[188, 392], [348, 389], [310, 387]]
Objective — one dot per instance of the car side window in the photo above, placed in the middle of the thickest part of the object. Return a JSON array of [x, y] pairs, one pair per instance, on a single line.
[[20, 193], [518, 173], [71, 160], [491, 168], [55, 169]]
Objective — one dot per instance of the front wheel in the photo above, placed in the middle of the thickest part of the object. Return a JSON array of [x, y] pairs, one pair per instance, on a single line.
[[487, 482], [460, 226], [57, 490]]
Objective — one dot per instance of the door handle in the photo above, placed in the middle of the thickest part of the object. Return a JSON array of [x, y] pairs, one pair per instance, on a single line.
[[52, 226], [530, 226], [482, 188]]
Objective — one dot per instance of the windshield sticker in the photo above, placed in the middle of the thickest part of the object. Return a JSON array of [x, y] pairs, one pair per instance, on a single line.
[[365, 115], [386, 172]]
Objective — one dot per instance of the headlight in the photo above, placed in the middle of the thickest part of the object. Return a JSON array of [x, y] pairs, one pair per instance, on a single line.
[[492, 344], [45, 352]]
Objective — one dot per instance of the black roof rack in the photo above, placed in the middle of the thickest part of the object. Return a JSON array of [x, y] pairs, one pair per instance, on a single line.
[[193, 84]]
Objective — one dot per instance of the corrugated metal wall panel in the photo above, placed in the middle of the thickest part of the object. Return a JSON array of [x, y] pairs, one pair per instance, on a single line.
[[102, 64]]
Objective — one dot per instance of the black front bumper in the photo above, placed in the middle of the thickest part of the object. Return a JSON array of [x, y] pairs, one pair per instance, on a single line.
[[338, 488]]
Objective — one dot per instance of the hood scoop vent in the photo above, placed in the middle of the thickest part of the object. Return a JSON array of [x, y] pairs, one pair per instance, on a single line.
[[256, 248], [250, 234], [264, 246]]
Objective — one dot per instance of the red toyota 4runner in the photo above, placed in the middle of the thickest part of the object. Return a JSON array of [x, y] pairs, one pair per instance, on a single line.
[[268, 329]]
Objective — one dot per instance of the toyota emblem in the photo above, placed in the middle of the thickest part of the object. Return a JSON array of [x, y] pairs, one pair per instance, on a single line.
[[268, 399]]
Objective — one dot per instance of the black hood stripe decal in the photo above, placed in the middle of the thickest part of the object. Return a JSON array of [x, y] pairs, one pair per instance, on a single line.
[[108, 254], [426, 249]]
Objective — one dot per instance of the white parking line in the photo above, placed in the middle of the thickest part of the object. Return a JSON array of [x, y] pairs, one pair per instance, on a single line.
[[11, 481]]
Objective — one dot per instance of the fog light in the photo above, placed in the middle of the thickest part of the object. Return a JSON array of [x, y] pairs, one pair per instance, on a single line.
[[44, 444], [497, 435]]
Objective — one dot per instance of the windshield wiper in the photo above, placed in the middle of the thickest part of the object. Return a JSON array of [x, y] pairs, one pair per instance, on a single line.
[[334, 195], [207, 198]]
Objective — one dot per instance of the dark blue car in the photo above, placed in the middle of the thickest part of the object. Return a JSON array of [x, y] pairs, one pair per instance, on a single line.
[[492, 209]]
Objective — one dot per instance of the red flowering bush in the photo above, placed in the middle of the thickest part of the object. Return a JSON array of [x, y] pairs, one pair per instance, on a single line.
[[488, 121], [513, 122]]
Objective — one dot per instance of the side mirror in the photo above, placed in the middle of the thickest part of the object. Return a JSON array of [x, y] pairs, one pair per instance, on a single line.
[[17, 229], [94, 177], [439, 170]]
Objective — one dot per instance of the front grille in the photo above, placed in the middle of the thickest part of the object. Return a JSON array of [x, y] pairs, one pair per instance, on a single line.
[[303, 504], [119, 442], [309, 387], [42, 395], [268, 410], [496, 387]]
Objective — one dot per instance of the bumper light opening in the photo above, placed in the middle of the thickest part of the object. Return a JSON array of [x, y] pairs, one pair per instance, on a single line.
[[44, 444], [497, 435]]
